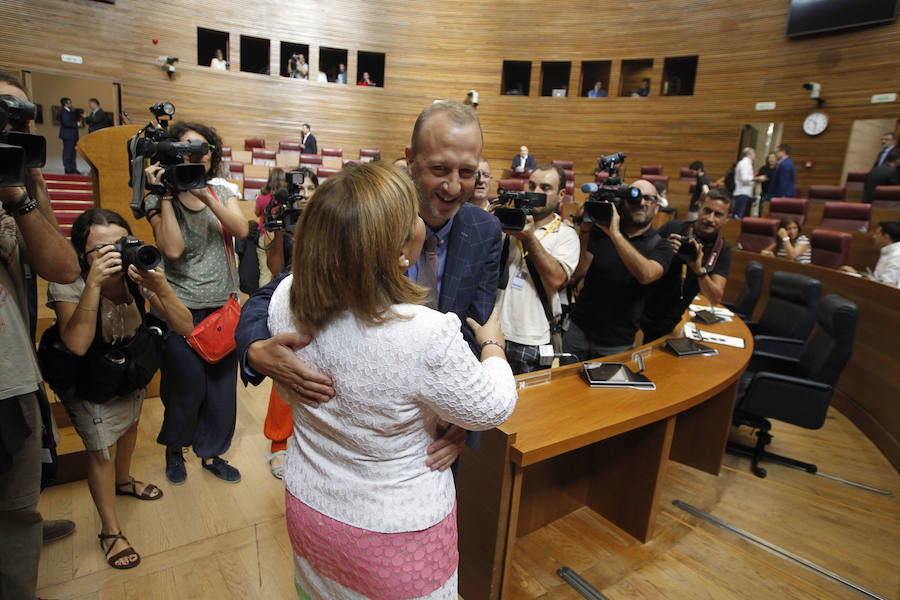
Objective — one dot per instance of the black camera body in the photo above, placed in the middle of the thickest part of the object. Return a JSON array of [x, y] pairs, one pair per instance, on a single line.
[[601, 199], [687, 249], [154, 144], [280, 212], [135, 252], [523, 204], [19, 150]]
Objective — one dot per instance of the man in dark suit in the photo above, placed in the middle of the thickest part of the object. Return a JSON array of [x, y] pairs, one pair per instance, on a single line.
[[68, 133], [308, 141], [887, 173], [888, 142], [783, 184], [443, 162], [523, 162], [98, 119]]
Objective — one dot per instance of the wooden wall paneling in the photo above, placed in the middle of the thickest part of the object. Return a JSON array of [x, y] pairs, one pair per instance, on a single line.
[[867, 392]]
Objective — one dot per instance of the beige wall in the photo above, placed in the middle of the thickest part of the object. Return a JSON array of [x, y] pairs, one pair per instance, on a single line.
[[865, 143]]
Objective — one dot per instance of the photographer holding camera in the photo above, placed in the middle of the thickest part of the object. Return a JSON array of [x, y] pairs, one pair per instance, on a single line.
[[290, 201], [297, 67], [97, 318], [619, 261], [535, 263], [30, 242], [193, 229], [700, 265]]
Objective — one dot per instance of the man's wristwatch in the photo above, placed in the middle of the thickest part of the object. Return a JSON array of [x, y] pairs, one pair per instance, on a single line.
[[703, 273], [25, 205]]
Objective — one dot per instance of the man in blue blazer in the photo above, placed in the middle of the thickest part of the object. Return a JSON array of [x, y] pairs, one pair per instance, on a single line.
[[523, 162], [785, 176], [443, 162], [68, 133]]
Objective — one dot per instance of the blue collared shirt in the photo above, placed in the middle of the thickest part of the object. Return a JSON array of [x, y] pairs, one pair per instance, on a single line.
[[442, 234]]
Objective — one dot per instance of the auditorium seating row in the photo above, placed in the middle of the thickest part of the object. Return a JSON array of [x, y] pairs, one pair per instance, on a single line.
[[830, 248], [290, 147]]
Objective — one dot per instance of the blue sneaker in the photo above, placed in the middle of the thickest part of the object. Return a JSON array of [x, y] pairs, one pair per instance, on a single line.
[[221, 469], [175, 472]]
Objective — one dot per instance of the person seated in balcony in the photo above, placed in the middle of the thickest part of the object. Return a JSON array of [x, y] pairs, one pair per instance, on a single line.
[[789, 243], [597, 91]]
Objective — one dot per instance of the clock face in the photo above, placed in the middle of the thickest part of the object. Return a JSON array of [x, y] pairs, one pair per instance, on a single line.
[[815, 123]]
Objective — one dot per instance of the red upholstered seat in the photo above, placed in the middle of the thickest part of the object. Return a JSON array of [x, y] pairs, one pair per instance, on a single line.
[[830, 248], [252, 185], [289, 147], [570, 188], [339, 152], [756, 233], [686, 175], [565, 164], [846, 216], [651, 170], [251, 143], [856, 180], [236, 170], [820, 194], [789, 208], [367, 154], [226, 152], [513, 185], [261, 156], [886, 196], [523, 174], [653, 178], [324, 173], [310, 159], [570, 174]]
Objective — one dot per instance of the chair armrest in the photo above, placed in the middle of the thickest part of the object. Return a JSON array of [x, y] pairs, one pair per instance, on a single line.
[[773, 363], [802, 402], [788, 347]]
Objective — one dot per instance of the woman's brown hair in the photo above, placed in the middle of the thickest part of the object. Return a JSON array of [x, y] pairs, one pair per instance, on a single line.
[[347, 248]]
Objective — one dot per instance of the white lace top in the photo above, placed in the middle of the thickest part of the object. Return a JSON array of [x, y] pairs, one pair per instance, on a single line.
[[360, 457]]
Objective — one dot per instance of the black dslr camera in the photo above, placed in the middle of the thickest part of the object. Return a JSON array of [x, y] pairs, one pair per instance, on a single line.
[[19, 150], [154, 144], [514, 218], [280, 212], [598, 206], [687, 249], [137, 253]]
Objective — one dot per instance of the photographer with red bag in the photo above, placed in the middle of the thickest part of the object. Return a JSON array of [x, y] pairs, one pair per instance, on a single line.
[[194, 231]]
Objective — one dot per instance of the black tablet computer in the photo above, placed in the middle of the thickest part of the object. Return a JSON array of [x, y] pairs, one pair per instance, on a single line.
[[685, 346], [601, 374]]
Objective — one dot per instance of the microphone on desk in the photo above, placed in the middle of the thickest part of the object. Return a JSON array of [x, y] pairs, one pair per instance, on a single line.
[[548, 355]]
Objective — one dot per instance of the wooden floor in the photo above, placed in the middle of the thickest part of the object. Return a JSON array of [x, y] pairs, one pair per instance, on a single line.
[[208, 539]]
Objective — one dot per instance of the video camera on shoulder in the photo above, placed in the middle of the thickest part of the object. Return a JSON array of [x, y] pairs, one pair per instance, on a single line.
[[135, 252], [281, 212], [601, 199], [19, 150], [154, 144], [513, 218]]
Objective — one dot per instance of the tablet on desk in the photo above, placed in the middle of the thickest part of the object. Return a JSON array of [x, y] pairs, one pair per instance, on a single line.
[[707, 317], [600, 374], [685, 346]]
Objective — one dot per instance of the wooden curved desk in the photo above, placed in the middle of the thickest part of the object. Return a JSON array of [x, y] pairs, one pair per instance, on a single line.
[[568, 445]]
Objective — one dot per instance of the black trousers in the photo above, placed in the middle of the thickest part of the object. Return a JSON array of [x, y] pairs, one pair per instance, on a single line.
[[200, 399], [68, 156]]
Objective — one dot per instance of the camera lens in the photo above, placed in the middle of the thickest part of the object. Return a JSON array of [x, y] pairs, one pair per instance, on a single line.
[[147, 257]]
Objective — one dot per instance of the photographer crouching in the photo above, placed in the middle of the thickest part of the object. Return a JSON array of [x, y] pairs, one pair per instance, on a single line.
[[701, 263], [193, 225], [539, 254], [111, 355]]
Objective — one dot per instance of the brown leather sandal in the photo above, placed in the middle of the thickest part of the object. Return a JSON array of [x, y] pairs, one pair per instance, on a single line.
[[129, 551], [146, 494]]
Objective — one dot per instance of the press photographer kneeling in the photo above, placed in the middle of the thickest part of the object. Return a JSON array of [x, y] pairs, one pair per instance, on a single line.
[[701, 263], [539, 254], [111, 350]]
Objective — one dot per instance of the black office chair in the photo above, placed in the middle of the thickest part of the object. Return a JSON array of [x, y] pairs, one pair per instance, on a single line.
[[746, 303], [791, 309], [795, 390]]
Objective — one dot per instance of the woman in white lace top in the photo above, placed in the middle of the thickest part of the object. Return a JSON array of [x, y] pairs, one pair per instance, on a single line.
[[366, 516]]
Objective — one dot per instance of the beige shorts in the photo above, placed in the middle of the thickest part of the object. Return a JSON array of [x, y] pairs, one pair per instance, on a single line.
[[101, 425]]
